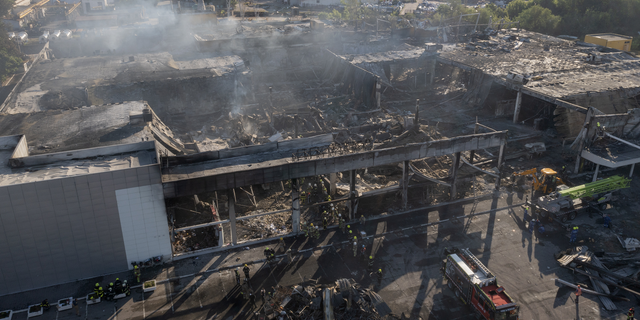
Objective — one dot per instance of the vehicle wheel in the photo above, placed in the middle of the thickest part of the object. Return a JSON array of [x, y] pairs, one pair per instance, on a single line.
[[564, 219], [544, 214], [572, 215], [603, 206]]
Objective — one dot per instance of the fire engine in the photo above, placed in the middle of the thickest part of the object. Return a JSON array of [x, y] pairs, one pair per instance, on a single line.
[[476, 286]]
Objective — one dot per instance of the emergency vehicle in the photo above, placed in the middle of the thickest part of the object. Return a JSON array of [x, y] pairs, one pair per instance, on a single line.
[[477, 287]]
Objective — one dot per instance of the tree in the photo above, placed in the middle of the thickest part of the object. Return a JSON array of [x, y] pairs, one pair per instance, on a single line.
[[5, 6], [514, 8], [10, 56], [539, 19]]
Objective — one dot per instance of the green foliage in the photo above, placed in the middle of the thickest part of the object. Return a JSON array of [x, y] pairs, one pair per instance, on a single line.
[[10, 56], [335, 15], [323, 16], [539, 19], [5, 6], [514, 8]]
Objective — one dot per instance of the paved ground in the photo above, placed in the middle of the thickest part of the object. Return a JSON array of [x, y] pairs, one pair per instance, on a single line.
[[410, 257]]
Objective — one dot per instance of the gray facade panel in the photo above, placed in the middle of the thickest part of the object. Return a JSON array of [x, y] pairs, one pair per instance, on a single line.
[[62, 230]]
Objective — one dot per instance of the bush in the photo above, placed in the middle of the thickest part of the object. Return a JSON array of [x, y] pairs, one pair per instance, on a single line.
[[323, 16]]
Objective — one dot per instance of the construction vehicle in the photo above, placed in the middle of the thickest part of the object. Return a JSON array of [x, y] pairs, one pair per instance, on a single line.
[[545, 181], [477, 287], [565, 203]]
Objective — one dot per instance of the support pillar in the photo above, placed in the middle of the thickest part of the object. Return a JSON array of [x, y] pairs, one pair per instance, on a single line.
[[295, 206], [333, 177], [433, 70], [631, 172], [516, 112], [499, 164], [405, 184], [352, 194], [595, 175], [232, 217], [454, 174], [472, 153], [577, 167], [378, 87]]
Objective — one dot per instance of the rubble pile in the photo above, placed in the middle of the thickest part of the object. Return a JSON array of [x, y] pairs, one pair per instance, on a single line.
[[191, 240], [267, 226], [609, 274], [348, 301]]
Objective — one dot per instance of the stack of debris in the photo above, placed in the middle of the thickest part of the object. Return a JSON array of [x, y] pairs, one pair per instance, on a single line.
[[345, 300], [606, 281]]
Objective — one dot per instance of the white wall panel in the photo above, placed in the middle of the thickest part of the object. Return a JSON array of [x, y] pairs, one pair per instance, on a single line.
[[144, 222]]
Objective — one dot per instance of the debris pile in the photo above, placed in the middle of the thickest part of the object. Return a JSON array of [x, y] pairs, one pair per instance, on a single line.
[[609, 275], [347, 300]]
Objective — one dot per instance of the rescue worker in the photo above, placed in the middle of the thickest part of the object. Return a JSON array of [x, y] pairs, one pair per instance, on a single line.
[[317, 233], [342, 224], [303, 198], [349, 228], [290, 255], [525, 217], [45, 304], [100, 292], [328, 198], [281, 243], [252, 300], [630, 314], [362, 220], [333, 212], [574, 234], [96, 289], [324, 223], [118, 286], [306, 230], [237, 276], [379, 275], [266, 252], [125, 288], [355, 248], [607, 221], [370, 264], [271, 258], [136, 273], [110, 292], [246, 271], [578, 293], [532, 225], [363, 251]]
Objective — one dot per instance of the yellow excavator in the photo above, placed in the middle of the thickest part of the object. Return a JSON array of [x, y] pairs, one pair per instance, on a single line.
[[546, 181]]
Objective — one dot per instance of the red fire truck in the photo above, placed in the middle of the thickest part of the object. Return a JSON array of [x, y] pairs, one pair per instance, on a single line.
[[476, 286]]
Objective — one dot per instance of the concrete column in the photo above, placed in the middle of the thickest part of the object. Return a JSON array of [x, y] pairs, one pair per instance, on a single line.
[[433, 70], [595, 175], [454, 174], [333, 177], [472, 153], [577, 167], [631, 172], [499, 164], [378, 87], [232, 217], [352, 194], [295, 206], [516, 112], [405, 184]]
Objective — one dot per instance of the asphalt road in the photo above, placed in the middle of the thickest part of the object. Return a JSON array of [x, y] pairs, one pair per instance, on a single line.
[[410, 257]]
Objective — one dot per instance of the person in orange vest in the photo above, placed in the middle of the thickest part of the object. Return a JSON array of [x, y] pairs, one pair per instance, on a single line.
[[630, 314], [578, 293]]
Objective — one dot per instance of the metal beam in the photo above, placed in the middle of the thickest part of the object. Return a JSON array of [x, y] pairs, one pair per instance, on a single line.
[[233, 175]]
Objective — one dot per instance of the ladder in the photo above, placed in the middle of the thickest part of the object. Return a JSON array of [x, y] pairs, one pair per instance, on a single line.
[[477, 262], [594, 188]]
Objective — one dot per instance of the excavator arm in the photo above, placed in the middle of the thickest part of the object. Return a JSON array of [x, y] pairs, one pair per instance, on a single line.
[[527, 172]]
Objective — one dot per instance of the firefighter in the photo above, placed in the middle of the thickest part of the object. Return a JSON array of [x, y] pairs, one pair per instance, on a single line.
[[630, 314], [281, 243], [355, 248], [45, 304], [136, 273], [317, 233], [363, 251], [100, 292], [246, 271], [118, 286], [379, 274], [362, 219], [125, 288], [342, 224], [333, 212], [303, 198], [574, 234], [324, 222], [305, 229], [237, 276], [96, 289], [110, 292], [370, 264]]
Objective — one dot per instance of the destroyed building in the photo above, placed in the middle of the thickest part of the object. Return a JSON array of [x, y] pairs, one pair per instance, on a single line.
[[212, 146]]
